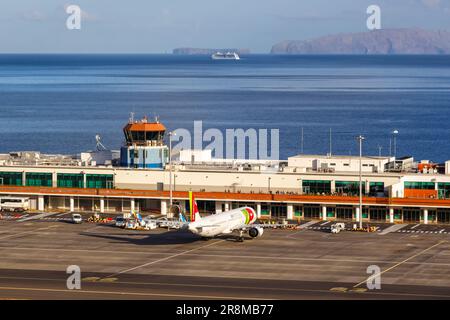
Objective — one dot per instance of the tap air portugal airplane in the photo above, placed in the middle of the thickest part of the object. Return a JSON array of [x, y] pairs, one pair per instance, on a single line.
[[240, 220]]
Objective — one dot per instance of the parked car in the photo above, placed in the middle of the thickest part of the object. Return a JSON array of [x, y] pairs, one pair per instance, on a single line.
[[76, 218], [162, 222], [120, 222], [150, 223]]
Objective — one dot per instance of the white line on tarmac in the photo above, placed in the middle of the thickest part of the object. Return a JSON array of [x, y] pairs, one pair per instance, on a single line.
[[39, 216], [398, 264], [25, 232], [163, 259], [326, 222], [131, 293], [415, 226], [200, 255], [393, 228]]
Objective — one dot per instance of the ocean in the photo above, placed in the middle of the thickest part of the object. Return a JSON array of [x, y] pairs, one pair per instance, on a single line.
[[58, 103]]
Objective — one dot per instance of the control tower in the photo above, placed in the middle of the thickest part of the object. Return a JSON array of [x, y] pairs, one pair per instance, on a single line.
[[144, 145]]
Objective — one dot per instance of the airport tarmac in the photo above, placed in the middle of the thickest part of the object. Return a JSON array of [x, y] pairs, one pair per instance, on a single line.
[[160, 264]]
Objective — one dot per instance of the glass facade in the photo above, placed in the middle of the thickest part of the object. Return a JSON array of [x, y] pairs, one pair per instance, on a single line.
[[297, 211], [265, 209], [419, 185], [443, 215], [412, 215], [278, 210], [311, 211], [316, 186], [38, 179], [344, 212], [444, 190], [350, 187], [376, 188], [99, 181], [379, 214], [11, 178], [70, 180], [206, 206]]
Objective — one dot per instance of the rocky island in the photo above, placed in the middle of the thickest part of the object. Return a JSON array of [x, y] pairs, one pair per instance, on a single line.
[[384, 41]]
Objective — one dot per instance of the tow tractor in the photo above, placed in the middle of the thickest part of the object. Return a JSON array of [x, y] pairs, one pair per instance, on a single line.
[[96, 218], [366, 229]]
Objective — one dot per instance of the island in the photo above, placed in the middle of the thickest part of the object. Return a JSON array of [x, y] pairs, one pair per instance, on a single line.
[[383, 41]]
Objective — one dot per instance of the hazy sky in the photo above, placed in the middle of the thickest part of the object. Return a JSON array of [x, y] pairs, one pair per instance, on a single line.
[[160, 25]]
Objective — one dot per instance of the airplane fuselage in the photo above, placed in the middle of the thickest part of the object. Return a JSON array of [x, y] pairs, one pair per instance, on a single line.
[[222, 223]]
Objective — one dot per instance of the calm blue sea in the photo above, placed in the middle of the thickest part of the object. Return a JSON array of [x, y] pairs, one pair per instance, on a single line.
[[57, 103]]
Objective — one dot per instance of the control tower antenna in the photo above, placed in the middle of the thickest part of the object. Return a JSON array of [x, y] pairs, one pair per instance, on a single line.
[[131, 117], [99, 144]]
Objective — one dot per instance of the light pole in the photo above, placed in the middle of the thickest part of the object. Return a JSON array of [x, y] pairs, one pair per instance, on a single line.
[[395, 133], [171, 133], [360, 139]]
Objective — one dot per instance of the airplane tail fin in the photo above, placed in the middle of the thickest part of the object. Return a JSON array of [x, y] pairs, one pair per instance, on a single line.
[[193, 209]]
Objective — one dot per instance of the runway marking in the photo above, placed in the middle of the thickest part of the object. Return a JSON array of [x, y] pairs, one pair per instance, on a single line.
[[132, 293], [222, 256], [359, 290], [302, 228], [39, 216], [90, 279], [415, 226], [219, 297], [338, 289], [163, 259], [326, 222], [398, 264], [108, 280], [26, 232], [240, 287], [393, 228]]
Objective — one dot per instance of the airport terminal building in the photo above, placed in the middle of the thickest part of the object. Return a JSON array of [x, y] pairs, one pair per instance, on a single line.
[[309, 187]]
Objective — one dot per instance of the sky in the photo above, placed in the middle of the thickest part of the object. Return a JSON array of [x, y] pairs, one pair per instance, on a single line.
[[158, 26]]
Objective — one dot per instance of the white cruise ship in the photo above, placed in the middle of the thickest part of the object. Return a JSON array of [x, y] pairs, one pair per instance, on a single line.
[[225, 56]]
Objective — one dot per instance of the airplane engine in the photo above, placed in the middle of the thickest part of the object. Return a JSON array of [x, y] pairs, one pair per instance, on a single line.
[[255, 232]]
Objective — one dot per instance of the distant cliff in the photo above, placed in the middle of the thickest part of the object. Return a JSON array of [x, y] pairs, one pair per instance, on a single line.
[[385, 41], [208, 51]]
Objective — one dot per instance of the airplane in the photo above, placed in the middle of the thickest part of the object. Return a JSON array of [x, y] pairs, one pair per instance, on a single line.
[[241, 219]]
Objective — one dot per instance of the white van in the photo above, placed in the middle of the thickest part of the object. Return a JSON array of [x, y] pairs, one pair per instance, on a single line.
[[16, 204]]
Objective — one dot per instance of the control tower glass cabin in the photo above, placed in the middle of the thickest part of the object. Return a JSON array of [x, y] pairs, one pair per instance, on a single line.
[[144, 145]]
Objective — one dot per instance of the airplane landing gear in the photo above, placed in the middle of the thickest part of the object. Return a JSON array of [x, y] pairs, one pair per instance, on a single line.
[[241, 236]]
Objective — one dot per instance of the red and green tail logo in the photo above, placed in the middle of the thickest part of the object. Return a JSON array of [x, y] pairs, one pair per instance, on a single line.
[[248, 214]]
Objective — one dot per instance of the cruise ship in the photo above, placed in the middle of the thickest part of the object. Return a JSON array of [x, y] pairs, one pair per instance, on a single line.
[[225, 56]]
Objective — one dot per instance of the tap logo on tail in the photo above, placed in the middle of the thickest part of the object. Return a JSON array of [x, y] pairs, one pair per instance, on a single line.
[[193, 209]]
